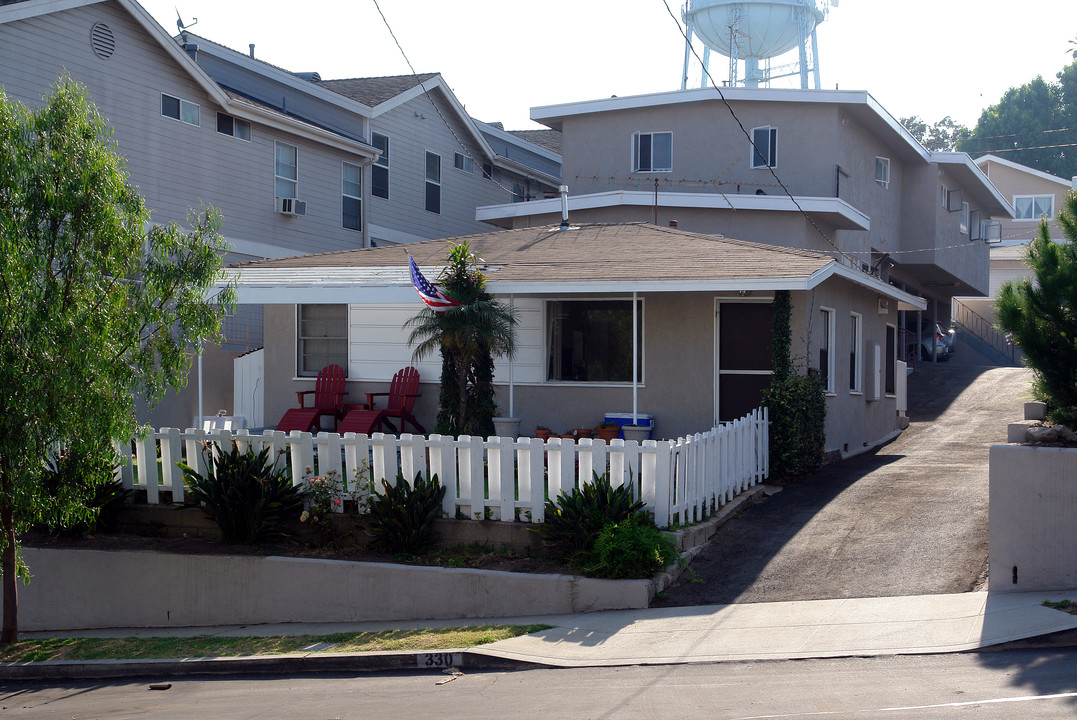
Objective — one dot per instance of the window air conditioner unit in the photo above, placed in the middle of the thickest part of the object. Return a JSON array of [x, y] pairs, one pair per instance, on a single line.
[[290, 206]]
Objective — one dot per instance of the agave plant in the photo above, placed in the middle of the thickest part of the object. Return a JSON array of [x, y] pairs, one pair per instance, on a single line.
[[404, 515], [575, 520], [248, 497]]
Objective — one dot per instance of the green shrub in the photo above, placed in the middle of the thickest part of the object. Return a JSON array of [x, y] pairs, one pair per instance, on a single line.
[[1040, 315], [248, 497], [634, 548], [403, 517], [796, 403], [574, 521], [85, 479]]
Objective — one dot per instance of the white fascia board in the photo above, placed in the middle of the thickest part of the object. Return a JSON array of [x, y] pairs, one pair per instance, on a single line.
[[527, 171], [906, 301], [855, 219], [397, 237], [260, 67], [984, 159], [437, 82], [518, 142], [316, 134], [552, 115], [26, 10], [962, 159]]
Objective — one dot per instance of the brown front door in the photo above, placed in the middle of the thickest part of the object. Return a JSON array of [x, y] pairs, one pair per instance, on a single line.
[[743, 355]]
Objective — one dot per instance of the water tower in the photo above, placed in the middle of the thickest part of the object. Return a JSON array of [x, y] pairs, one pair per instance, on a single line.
[[752, 32]]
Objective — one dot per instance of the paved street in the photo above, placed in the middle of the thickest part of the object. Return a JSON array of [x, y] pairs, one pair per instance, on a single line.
[[1012, 684], [908, 519]]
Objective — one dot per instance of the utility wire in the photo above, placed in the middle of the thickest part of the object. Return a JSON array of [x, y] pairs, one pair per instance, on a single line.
[[437, 109]]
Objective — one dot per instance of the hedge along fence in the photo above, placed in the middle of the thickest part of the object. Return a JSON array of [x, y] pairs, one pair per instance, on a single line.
[[681, 481]]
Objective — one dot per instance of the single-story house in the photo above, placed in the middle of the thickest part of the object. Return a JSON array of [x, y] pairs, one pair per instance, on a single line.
[[703, 320]]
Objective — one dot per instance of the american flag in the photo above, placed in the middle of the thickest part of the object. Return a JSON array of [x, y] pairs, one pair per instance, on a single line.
[[437, 300]]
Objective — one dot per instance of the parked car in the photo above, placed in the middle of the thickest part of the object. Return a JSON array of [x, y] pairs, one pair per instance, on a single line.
[[944, 342]]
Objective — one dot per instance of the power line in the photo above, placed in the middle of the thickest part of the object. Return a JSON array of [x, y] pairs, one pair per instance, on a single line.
[[1034, 147], [437, 109], [852, 261]]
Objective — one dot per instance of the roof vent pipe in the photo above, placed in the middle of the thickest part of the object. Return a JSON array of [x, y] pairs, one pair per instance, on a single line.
[[252, 49], [564, 206]]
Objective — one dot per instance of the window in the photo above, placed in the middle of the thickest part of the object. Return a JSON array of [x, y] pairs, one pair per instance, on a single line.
[[1033, 207], [591, 341], [379, 171], [285, 170], [236, 127], [765, 150], [882, 171], [855, 344], [826, 347], [351, 191], [433, 182], [975, 227], [322, 338], [652, 152], [944, 194], [964, 218], [488, 171], [463, 162], [178, 109]]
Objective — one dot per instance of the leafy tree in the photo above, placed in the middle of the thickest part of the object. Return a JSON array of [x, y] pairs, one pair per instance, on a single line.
[[1034, 125], [942, 136], [93, 309], [468, 337], [1040, 314]]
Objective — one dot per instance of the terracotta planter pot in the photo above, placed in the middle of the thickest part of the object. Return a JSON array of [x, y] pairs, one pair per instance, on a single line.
[[608, 433]]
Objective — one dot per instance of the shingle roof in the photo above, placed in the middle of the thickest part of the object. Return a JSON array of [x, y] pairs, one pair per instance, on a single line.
[[375, 90], [549, 139], [608, 252]]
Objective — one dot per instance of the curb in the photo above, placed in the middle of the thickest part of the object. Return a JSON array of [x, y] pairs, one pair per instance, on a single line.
[[373, 662]]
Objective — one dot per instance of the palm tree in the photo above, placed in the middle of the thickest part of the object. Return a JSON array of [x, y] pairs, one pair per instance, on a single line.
[[468, 337]]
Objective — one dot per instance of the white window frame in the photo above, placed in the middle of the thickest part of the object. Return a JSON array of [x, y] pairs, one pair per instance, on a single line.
[[827, 336], [547, 336], [236, 123], [463, 163], [278, 178], [345, 195], [637, 138], [944, 195], [890, 361], [1034, 198], [882, 171], [379, 165], [432, 182], [856, 354], [301, 339], [963, 224], [183, 105], [770, 159]]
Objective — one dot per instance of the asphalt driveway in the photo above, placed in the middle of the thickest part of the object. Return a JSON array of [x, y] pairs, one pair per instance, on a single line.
[[907, 519]]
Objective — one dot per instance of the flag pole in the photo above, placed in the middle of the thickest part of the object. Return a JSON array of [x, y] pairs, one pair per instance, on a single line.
[[635, 362]]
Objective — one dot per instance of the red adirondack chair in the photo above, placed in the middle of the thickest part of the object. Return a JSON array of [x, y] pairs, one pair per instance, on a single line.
[[328, 395], [401, 398]]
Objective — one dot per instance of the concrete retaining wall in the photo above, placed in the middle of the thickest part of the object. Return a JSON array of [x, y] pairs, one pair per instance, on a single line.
[[1033, 518], [81, 589]]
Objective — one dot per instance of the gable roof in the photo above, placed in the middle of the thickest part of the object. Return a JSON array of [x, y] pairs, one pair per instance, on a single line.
[[26, 9], [988, 159], [549, 139], [374, 91], [598, 258]]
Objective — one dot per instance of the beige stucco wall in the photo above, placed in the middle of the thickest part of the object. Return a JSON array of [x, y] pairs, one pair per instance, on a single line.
[[1011, 182]]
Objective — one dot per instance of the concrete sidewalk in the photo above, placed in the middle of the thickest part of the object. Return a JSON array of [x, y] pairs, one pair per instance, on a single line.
[[705, 634]]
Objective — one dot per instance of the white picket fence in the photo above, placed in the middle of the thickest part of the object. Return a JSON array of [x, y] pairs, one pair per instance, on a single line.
[[681, 481]]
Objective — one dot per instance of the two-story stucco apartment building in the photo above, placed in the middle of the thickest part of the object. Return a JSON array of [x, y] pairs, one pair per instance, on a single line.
[[294, 164], [894, 230]]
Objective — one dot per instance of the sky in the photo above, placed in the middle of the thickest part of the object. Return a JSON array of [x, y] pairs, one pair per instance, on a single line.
[[502, 57]]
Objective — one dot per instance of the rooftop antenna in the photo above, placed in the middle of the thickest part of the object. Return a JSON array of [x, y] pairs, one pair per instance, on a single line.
[[181, 27]]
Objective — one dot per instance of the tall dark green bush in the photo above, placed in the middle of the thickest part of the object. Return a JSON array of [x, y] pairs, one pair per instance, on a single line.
[[246, 494], [574, 520], [404, 515], [1040, 315], [796, 403], [633, 548], [82, 478]]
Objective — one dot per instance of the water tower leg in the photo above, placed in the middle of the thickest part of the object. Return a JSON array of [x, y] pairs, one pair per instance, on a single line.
[[687, 53], [706, 66], [815, 57]]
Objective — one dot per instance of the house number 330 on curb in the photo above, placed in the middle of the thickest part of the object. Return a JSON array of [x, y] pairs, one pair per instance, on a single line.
[[439, 660]]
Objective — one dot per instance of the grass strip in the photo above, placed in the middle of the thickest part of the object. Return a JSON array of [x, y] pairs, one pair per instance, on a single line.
[[212, 646], [1063, 605]]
